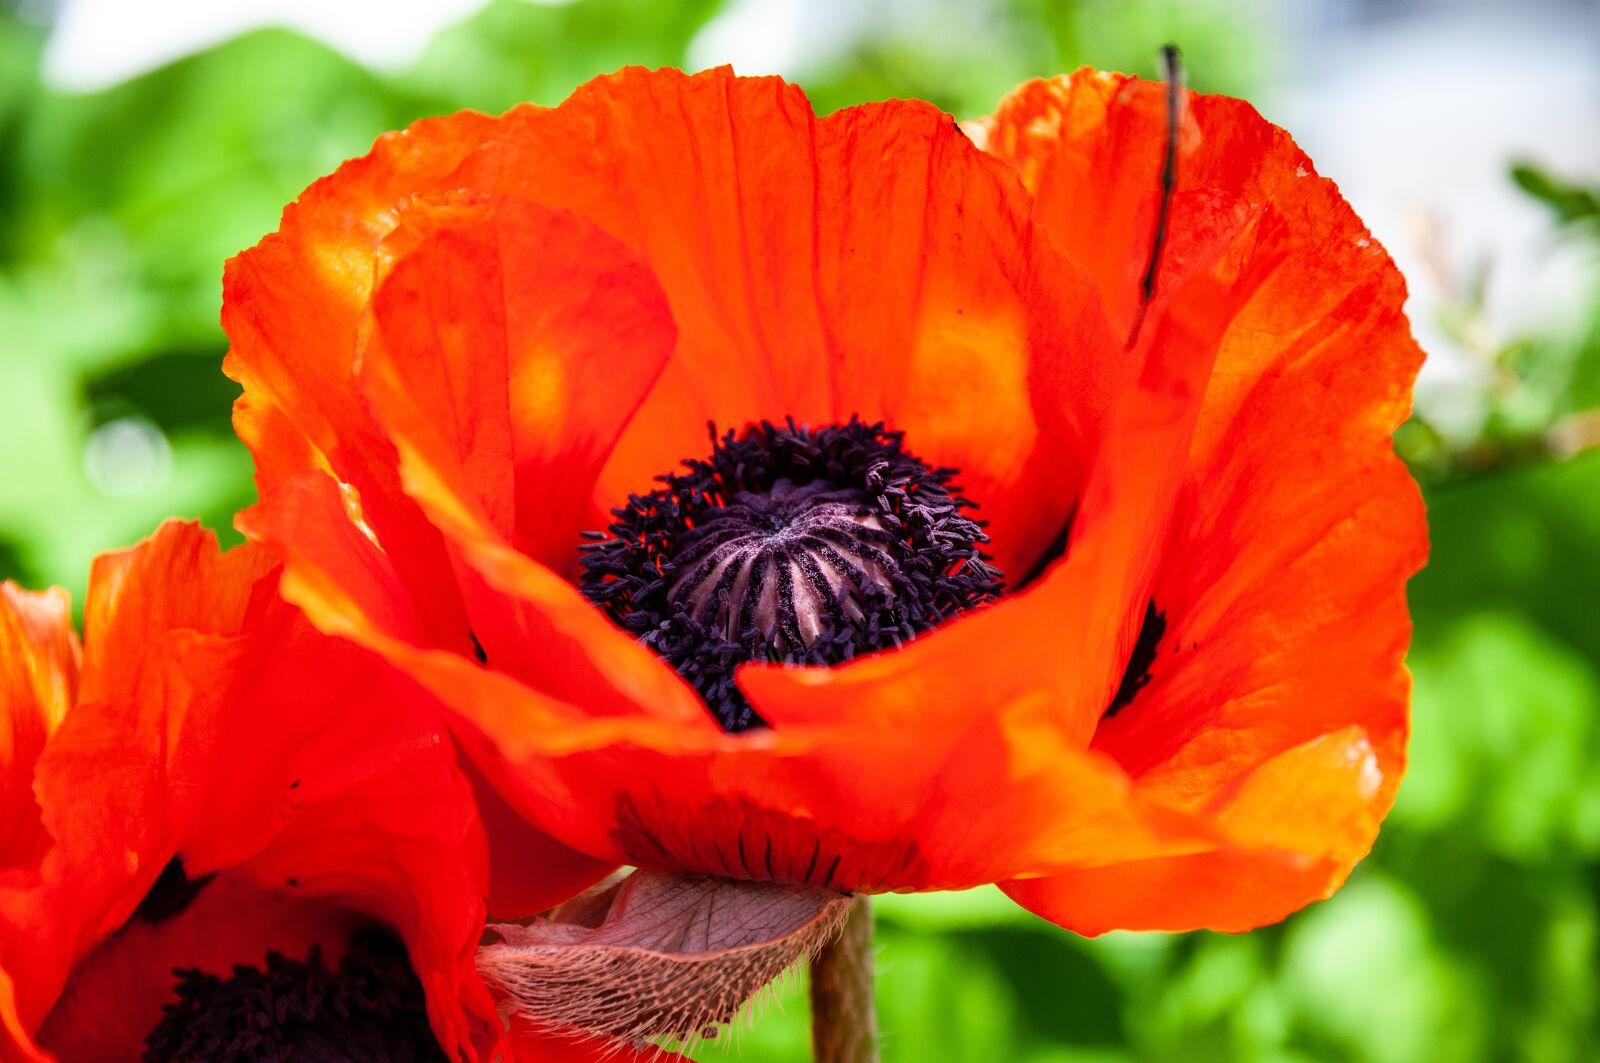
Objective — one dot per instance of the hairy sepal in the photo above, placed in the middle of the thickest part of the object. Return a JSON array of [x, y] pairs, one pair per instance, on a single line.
[[657, 954]]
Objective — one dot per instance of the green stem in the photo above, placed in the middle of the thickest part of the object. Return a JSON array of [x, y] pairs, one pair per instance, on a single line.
[[844, 1020]]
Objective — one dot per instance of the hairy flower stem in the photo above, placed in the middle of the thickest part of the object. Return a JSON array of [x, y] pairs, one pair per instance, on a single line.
[[844, 1019]]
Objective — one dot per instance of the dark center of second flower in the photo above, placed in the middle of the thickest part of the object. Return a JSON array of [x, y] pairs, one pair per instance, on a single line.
[[368, 1009], [789, 544]]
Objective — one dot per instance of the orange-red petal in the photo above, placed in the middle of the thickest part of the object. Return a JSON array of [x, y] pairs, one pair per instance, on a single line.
[[848, 807], [529, 871], [1281, 582], [1064, 639], [509, 344], [290, 304], [1299, 821], [290, 309], [506, 349], [871, 262]]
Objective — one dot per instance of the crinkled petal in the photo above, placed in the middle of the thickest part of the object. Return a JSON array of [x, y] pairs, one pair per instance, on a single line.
[[291, 307], [506, 350], [1067, 638], [291, 304], [510, 343], [1280, 586], [871, 262]]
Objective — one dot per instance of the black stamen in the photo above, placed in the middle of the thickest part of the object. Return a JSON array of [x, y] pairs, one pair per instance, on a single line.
[[371, 1010], [793, 545], [1137, 673], [172, 892], [1172, 73]]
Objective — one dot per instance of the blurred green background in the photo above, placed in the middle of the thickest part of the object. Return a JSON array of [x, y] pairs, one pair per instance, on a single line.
[[1472, 933]]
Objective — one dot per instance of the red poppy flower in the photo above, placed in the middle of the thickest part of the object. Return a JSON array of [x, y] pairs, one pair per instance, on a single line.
[[228, 783], [1160, 686], [271, 813]]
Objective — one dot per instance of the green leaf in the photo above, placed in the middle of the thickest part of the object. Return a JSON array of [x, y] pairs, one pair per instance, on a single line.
[[1570, 201], [1497, 683]]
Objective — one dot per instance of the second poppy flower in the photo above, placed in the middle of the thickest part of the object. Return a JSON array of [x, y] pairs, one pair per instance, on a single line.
[[227, 836]]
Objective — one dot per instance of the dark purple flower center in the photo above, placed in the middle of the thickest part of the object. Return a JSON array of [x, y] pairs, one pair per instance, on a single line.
[[789, 544], [370, 1009]]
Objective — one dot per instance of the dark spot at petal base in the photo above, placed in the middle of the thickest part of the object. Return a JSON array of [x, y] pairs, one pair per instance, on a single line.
[[1054, 551], [172, 892], [371, 1010], [1137, 674]]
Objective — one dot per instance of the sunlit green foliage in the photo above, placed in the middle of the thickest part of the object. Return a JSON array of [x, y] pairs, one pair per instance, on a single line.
[[1543, 399], [1472, 933]]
